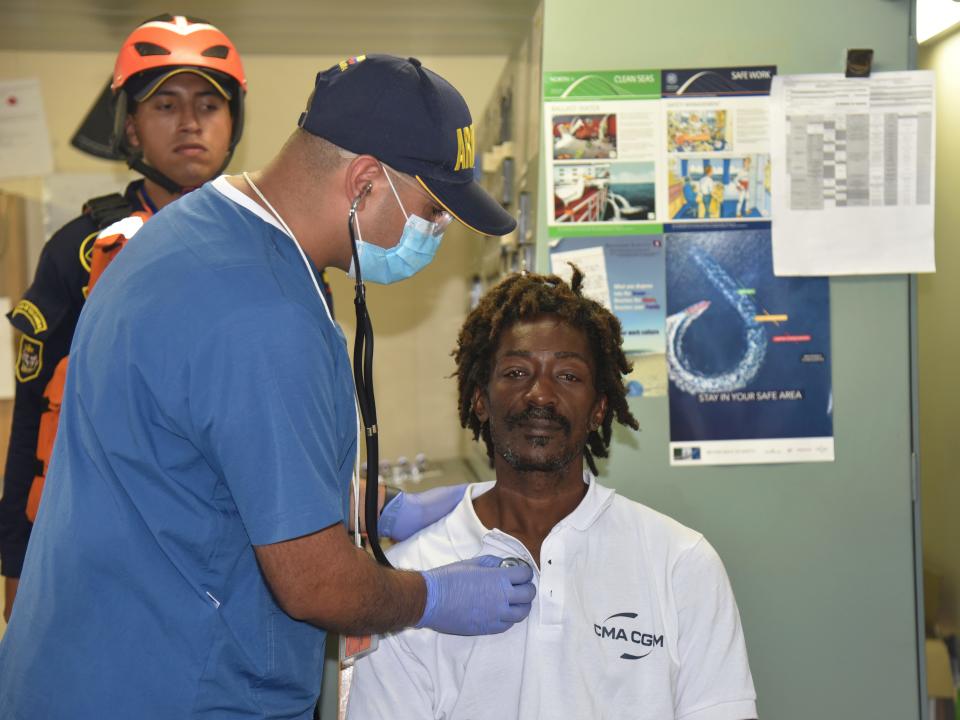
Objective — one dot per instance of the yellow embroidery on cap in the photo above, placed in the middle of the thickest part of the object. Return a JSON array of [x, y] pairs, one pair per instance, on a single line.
[[33, 315], [30, 359], [464, 148]]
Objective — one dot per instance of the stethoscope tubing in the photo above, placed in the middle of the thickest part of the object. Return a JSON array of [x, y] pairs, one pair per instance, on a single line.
[[366, 400]]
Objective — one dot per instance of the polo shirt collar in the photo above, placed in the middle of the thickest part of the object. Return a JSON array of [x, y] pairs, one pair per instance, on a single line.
[[466, 533]]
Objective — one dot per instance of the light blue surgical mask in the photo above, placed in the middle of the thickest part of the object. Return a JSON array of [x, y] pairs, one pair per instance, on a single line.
[[416, 249]]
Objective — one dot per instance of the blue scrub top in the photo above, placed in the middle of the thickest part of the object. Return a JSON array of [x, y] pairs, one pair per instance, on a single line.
[[209, 408]]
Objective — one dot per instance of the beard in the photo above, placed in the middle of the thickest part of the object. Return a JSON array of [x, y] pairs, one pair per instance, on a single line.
[[524, 463], [551, 464]]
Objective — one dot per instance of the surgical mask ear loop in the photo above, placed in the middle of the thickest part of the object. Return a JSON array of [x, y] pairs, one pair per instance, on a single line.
[[363, 379], [395, 193]]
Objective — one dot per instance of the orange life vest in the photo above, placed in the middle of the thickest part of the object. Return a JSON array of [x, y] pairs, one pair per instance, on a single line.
[[105, 249]]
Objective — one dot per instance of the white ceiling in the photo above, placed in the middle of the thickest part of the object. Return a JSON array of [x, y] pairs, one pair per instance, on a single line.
[[301, 27]]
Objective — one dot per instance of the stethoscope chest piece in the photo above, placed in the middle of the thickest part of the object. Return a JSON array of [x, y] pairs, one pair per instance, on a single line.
[[513, 562]]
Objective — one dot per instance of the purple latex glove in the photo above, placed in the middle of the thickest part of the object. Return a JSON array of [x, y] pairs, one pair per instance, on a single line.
[[409, 513], [477, 596]]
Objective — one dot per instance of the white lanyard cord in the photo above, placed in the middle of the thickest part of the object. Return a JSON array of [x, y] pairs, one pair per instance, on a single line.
[[288, 231]]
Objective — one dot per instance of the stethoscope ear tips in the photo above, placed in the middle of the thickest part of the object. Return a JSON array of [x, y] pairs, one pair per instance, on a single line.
[[356, 201]]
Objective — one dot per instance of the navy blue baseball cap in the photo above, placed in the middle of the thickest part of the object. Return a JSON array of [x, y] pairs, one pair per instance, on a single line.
[[411, 119]]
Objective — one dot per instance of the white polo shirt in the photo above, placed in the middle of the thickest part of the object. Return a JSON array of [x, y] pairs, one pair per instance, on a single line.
[[634, 618]]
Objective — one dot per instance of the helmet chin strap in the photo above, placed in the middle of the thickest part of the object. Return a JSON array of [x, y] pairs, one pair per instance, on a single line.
[[151, 173]]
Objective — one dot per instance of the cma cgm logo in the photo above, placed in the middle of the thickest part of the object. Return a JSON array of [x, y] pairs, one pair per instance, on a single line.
[[618, 628]]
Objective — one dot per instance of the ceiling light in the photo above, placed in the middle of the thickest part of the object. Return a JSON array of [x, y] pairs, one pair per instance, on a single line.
[[936, 16]]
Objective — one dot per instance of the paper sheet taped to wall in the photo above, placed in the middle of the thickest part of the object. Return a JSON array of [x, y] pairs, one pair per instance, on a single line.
[[853, 173], [24, 141]]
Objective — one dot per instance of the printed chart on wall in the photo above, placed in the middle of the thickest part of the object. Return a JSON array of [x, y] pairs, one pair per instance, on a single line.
[[748, 353], [854, 173]]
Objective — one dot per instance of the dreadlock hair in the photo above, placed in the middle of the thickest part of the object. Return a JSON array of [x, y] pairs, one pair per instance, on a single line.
[[524, 297]]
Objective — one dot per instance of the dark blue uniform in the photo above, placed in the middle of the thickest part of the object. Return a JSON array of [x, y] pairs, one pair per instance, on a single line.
[[47, 317]]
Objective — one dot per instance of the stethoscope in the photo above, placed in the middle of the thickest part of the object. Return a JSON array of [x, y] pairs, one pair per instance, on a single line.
[[362, 374], [366, 400], [362, 367]]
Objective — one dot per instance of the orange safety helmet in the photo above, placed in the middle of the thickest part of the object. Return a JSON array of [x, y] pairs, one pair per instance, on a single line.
[[172, 41], [159, 48]]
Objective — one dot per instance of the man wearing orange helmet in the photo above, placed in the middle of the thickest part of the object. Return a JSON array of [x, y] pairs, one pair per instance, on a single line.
[[174, 111]]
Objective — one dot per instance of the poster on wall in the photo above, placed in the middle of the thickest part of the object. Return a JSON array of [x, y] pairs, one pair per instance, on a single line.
[[748, 353], [645, 146], [717, 144], [601, 131], [853, 173], [625, 274]]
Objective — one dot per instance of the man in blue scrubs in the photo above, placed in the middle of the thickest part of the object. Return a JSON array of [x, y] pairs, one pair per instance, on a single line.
[[190, 551]]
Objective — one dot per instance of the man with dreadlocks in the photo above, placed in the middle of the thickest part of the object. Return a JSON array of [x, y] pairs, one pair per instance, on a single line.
[[634, 615]]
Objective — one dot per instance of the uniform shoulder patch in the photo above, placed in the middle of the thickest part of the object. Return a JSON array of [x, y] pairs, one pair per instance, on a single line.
[[29, 359], [86, 249], [33, 315]]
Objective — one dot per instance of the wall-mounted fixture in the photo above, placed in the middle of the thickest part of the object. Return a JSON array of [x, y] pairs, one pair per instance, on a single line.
[[935, 17]]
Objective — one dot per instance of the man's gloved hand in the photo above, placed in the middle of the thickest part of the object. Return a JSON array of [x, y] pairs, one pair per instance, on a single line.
[[408, 513], [477, 596]]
